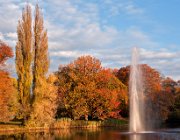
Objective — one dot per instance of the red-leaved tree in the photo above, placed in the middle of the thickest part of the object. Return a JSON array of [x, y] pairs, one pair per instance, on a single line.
[[7, 86]]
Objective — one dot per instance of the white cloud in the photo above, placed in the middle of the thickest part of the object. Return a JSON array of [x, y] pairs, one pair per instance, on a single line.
[[118, 7], [1, 36], [165, 61], [132, 9], [9, 14], [75, 28], [111, 46], [67, 54], [12, 35], [161, 54]]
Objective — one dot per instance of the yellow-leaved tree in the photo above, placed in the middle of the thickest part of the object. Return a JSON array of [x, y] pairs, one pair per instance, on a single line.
[[37, 93]]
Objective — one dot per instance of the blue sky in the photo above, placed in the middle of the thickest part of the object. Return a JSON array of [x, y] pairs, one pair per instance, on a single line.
[[106, 29]]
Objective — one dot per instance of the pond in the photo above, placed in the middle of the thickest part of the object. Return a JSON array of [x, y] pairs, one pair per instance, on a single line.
[[94, 134]]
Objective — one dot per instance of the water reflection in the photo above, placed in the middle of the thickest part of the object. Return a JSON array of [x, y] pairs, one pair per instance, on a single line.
[[156, 136], [93, 134]]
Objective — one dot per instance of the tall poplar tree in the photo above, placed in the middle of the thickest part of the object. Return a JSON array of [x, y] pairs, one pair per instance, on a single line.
[[32, 61], [41, 59], [44, 92], [24, 60]]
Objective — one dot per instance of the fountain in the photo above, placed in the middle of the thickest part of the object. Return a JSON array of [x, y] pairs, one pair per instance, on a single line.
[[136, 96]]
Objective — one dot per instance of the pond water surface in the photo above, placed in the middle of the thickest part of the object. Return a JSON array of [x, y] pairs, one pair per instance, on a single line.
[[94, 134]]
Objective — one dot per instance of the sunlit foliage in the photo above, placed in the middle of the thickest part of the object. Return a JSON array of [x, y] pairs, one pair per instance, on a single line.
[[5, 52], [86, 89], [44, 92], [8, 93], [45, 106], [24, 61]]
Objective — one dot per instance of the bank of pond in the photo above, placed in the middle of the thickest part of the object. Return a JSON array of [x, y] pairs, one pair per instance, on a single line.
[[63, 123], [67, 129]]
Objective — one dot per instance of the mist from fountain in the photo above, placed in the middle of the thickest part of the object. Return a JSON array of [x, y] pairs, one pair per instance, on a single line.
[[136, 95]]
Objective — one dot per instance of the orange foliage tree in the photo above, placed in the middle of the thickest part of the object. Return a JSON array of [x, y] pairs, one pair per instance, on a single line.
[[111, 92], [7, 89], [123, 74], [5, 52], [86, 89], [151, 79], [155, 90], [159, 95], [169, 85], [169, 92]]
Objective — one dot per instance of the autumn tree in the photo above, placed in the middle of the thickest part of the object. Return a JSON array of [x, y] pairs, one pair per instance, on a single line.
[[44, 94], [88, 90], [156, 91], [5, 52], [8, 98], [109, 96], [32, 63], [151, 79], [45, 107], [41, 59], [157, 99], [123, 74], [169, 85], [172, 89], [76, 84], [174, 115], [24, 61]]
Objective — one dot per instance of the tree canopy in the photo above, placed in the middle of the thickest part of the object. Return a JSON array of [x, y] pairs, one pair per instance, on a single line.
[[8, 96], [87, 89]]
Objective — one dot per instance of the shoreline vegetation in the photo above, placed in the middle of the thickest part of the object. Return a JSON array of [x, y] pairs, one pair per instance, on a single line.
[[63, 123]]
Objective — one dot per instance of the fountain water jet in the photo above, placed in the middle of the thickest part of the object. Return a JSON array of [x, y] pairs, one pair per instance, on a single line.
[[136, 95]]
